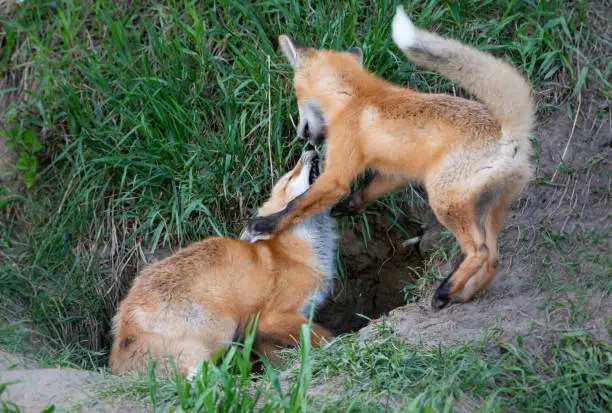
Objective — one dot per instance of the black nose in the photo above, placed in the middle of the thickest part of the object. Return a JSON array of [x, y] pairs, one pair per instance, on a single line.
[[306, 132], [309, 147]]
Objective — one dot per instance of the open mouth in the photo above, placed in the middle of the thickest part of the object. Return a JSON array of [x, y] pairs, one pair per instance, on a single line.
[[315, 170]]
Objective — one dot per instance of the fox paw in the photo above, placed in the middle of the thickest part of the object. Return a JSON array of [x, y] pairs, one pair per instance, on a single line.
[[441, 298], [261, 228], [351, 205]]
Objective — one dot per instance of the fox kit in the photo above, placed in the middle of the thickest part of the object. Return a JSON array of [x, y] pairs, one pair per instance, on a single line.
[[472, 157], [192, 303]]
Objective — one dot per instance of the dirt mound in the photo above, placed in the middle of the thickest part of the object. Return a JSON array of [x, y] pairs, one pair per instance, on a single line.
[[509, 308], [33, 389], [66, 389]]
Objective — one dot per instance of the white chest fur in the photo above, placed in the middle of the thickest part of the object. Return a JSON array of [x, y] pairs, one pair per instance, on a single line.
[[320, 232]]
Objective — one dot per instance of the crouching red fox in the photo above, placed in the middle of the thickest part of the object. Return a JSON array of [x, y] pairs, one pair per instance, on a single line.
[[191, 304]]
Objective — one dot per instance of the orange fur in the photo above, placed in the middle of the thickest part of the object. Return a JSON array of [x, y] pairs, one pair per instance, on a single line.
[[473, 157], [191, 304]]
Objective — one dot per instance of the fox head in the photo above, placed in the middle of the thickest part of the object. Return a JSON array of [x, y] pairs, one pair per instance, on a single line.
[[317, 234], [294, 183], [322, 79], [318, 230]]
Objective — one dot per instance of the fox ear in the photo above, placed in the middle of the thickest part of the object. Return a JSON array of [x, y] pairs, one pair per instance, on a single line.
[[357, 53], [290, 49]]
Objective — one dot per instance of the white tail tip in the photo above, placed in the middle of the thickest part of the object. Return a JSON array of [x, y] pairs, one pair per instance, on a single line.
[[402, 29], [410, 242]]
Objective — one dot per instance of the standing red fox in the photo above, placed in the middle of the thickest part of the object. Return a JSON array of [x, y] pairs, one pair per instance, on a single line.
[[473, 158], [189, 305]]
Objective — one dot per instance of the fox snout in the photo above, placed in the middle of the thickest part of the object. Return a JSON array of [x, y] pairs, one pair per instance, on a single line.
[[305, 132], [312, 161], [312, 125]]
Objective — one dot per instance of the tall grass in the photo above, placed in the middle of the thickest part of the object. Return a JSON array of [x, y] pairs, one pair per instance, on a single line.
[[164, 122]]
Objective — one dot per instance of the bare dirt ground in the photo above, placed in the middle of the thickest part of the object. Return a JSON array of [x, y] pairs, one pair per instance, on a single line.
[[67, 389]]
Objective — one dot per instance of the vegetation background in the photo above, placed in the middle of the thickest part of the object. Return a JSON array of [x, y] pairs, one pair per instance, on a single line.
[[130, 126]]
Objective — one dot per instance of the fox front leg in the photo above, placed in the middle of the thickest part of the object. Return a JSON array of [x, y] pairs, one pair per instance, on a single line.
[[326, 190], [354, 203], [373, 187]]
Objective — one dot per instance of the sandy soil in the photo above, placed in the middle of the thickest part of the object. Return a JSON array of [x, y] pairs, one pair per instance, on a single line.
[[35, 389]]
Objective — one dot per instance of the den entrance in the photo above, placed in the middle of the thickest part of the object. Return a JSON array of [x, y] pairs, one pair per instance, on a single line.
[[375, 273]]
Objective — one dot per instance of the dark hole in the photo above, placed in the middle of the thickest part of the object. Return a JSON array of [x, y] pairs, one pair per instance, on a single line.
[[376, 275]]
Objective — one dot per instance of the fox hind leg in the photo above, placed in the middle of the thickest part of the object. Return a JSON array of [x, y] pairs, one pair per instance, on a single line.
[[284, 329], [493, 222], [459, 218]]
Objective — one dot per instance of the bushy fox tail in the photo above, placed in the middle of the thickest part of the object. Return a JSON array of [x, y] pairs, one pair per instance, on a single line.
[[497, 84]]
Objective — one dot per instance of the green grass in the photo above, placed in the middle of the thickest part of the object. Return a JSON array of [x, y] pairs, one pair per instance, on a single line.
[[583, 258], [7, 406], [168, 121], [571, 373], [227, 385]]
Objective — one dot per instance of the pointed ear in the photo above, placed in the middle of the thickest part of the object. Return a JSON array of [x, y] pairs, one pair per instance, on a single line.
[[358, 53], [290, 49]]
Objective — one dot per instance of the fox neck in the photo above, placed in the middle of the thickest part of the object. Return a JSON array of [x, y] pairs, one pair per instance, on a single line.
[[319, 231]]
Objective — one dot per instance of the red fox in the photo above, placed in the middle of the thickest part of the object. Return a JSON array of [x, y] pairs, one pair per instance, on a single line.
[[191, 304], [473, 158]]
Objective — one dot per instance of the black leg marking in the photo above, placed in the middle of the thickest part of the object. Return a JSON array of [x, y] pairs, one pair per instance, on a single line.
[[485, 202], [368, 178], [441, 298], [348, 206], [292, 203], [267, 224]]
